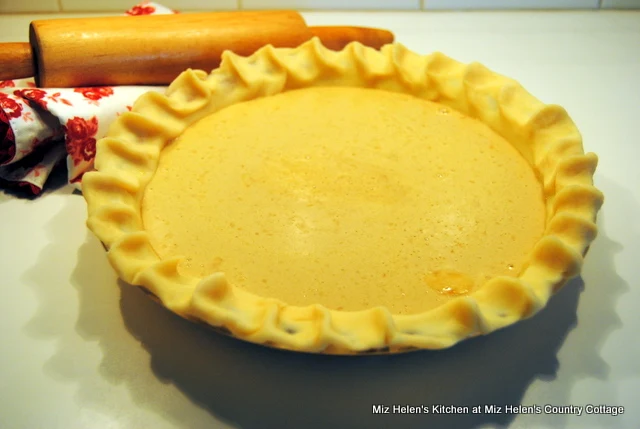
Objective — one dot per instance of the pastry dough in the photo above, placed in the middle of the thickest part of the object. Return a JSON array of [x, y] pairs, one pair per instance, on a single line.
[[190, 184]]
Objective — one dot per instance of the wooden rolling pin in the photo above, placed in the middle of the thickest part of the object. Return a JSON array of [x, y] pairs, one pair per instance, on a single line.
[[150, 50]]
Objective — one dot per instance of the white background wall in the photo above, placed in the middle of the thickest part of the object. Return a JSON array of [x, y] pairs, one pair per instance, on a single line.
[[18, 6]]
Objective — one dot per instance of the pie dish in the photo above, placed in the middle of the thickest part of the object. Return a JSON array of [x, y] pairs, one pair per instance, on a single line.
[[345, 202]]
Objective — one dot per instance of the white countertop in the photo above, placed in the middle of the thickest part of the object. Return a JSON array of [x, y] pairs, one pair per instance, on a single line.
[[81, 350]]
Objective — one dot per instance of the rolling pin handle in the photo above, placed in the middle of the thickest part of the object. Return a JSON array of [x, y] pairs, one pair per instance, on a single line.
[[336, 38], [17, 61]]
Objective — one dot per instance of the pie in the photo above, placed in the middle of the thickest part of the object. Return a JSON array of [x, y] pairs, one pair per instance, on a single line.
[[345, 202]]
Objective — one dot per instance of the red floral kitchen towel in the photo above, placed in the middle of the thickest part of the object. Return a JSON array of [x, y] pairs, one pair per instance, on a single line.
[[41, 127]]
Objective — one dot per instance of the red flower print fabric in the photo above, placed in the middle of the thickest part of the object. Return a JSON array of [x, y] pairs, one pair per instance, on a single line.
[[59, 123], [7, 146], [81, 138], [34, 95], [10, 106], [141, 10], [95, 93], [149, 8], [30, 174], [20, 125]]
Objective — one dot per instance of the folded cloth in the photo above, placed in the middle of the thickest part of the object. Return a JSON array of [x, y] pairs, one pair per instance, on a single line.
[[41, 127]]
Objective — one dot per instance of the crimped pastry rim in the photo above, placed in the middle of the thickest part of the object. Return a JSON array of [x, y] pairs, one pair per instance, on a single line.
[[127, 158]]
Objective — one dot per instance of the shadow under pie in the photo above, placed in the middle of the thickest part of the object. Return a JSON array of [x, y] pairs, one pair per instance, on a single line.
[[288, 389]]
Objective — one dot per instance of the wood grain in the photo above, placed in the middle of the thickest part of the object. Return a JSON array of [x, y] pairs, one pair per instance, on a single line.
[[152, 49], [337, 38], [16, 61]]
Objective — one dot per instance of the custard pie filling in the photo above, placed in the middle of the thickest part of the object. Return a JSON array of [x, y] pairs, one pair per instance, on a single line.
[[348, 197], [342, 202]]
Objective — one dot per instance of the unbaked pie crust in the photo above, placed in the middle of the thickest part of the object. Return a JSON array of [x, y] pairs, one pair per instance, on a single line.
[[148, 211]]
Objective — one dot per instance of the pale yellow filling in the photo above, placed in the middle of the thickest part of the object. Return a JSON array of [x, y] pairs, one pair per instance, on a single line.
[[346, 197]]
